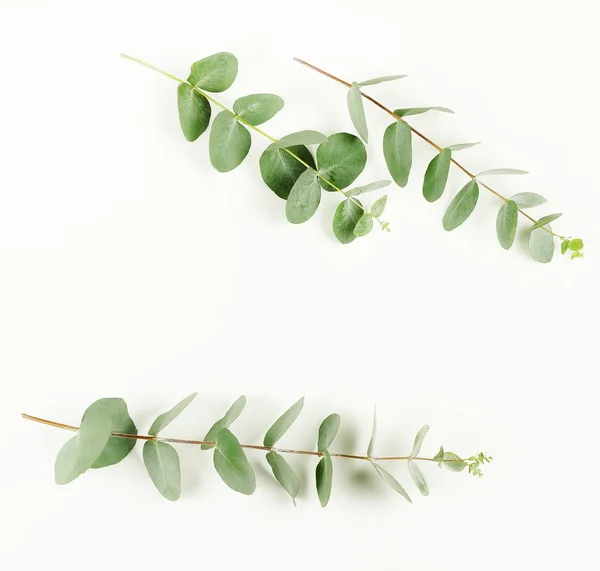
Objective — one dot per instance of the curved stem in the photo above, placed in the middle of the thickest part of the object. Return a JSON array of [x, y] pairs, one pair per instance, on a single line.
[[420, 135]]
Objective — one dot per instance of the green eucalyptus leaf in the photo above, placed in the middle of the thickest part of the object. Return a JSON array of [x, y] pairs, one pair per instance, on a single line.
[[304, 198], [368, 187], [373, 434], [284, 474], [528, 199], [462, 206], [66, 467], [327, 431], [546, 220], [576, 244], [364, 225], [436, 175], [280, 170], [232, 414], [564, 246], [347, 214], [283, 423], [258, 108], [500, 171], [506, 224], [194, 111], [453, 462], [232, 465], [418, 478], [439, 457], [340, 160], [391, 481], [377, 80], [214, 73], [163, 420], [397, 150], [379, 206], [541, 245], [324, 477], [162, 463], [420, 110], [306, 137], [229, 142], [93, 435], [357, 111], [461, 146], [420, 436]]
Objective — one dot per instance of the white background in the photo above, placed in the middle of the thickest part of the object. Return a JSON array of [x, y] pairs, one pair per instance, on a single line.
[[131, 268]]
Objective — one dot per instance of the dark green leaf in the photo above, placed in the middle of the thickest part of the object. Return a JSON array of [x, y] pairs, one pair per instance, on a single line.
[[234, 411], [363, 226], [419, 110], [373, 434], [214, 73], [284, 474], [368, 187], [462, 206], [340, 160], [397, 150], [229, 142], [541, 245], [162, 463], [327, 431], [420, 436], [304, 198], [391, 481], [528, 199], [454, 462], [194, 111], [163, 420], [546, 220], [436, 176], [379, 206], [377, 80], [280, 170], [506, 224], [324, 476], [357, 112], [283, 423], [347, 214], [418, 477], [461, 146], [300, 138], [232, 465], [258, 108], [500, 171]]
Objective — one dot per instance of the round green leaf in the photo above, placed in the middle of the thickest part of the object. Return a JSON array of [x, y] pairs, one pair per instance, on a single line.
[[528, 199], [258, 108], [341, 159], [397, 150], [232, 465], [162, 463], [546, 220], [324, 477], [418, 478], [462, 206], [453, 462], [347, 214], [280, 170], [357, 112], [327, 431], [420, 436], [576, 244], [363, 226], [391, 482], [229, 142], [163, 420], [283, 423], [506, 224], [436, 176], [541, 245], [304, 198], [230, 416], [194, 111], [214, 73], [284, 474]]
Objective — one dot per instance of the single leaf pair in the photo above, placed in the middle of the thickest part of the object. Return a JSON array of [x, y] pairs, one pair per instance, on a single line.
[[324, 472]]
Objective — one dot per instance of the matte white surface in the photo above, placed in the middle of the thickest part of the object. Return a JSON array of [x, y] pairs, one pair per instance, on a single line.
[[131, 268]]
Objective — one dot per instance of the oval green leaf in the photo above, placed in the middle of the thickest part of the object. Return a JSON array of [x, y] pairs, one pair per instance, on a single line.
[[163, 420], [284, 474], [304, 198], [306, 137], [420, 110], [379, 206], [462, 206], [280, 170], [453, 462], [528, 199], [232, 414], [397, 150], [363, 226], [214, 73], [546, 220], [324, 477], [377, 80], [368, 187], [162, 463], [340, 160], [229, 142], [66, 467], [283, 423], [194, 111], [347, 214], [357, 112], [420, 436], [541, 245], [258, 108], [418, 478], [506, 224], [327, 431], [391, 482], [436, 176], [232, 465], [93, 434]]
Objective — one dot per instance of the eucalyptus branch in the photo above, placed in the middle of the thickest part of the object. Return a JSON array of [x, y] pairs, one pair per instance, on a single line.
[[107, 434], [434, 183]]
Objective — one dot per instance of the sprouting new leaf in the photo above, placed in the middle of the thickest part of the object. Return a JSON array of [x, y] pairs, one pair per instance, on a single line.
[[346, 216], [357, 112], [229, 142], [506, 224], [500, 171], [436, 175], [379, 206], [546, 220], [576, 244], [194, 111], [541, 245], [304, 198], [528, 199], [283, 423], [439, 457], [420, 436], [284, 474], [324, 477], [368, 187], [377, 80], [418, 478], [453, 462], [391, 481], [234, 411], [397, 150], [258, 108], [564, 246], [461, 146], [214, 73], [420, 110], [373, 434], [162, 463], [163, 420], [364, 225], [327, 431], [340, 160], [307, 137], [232, 465], [280, 170], [462, 206]]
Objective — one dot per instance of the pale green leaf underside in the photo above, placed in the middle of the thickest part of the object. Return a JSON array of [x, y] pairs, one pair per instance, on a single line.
[[546, 220], [397, 151], [324, 478], [436, 176], [214, 73], [420, 436], [462, 206], [283, 423], [340, 160], [162, 463], [418, 477], [306, 137], [391, 481], [229, 142], [66, 467], [232, 465], [528, 199], [420, 110], [304, 198], [194, 111], [541, 245], [462, 146], [378, 207], [506, 224], [373, 434], [368, 187], [327, 431], [381, 79], [258, 108], [231, 415], [280, 170], [163, 420], [346, 216], [363, 226], [500, 171], [284, 474], [453, 462], [357, 112]]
